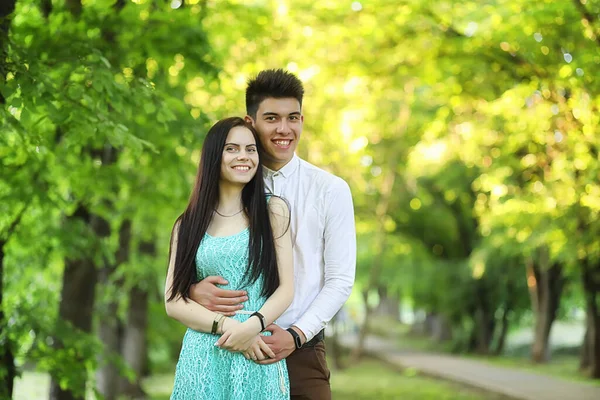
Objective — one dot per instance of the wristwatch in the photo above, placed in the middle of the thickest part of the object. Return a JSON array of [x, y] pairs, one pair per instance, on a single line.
[[297, 340]]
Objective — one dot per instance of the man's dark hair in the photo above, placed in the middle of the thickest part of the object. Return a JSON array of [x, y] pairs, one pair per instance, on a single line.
[[276, 83]]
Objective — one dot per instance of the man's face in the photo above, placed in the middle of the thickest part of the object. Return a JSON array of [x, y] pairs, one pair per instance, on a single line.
[[279, 125]]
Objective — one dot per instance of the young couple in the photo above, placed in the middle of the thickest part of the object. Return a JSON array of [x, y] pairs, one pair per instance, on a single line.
[[262, 258]]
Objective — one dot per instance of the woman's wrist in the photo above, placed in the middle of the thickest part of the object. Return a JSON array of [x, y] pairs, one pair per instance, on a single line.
[[255, 323], [225, 320]]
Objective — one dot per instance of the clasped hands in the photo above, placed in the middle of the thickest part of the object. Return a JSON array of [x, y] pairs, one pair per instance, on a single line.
[[244, 337], [241, 336]]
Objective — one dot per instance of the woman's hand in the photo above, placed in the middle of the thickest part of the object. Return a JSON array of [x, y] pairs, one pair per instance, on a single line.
[[259, 350], [239, 337]]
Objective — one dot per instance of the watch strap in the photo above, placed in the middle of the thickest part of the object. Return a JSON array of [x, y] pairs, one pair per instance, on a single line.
[[296, 336], [261, 318]]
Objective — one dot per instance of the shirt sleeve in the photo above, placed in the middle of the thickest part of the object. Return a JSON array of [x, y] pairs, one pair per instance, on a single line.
[[339, 255]]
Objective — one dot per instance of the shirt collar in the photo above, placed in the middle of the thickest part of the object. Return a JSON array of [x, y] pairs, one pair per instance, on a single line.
[[286, 171]]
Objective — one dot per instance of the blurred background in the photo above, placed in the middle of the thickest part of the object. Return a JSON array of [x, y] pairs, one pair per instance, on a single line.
[[467, 130]]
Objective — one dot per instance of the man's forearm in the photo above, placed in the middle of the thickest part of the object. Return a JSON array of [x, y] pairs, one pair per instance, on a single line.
[[328, 302]]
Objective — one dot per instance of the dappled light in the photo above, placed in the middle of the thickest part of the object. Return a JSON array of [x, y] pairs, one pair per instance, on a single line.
[[467, 131]]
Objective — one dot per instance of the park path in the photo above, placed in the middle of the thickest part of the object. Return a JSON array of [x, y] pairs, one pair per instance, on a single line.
[[516, 384]]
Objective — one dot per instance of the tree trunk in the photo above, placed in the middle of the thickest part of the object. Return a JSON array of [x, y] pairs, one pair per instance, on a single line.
[[135, 344], [441, 331], [389, 304], [591, 287], [509, 304], [364, 328], [545, 284], [111, 329], [501, 340], [8, 371], [381, 212], [77, 303], [585, 352], [334, 342], [134, 348], [110, 333], [484, 320]]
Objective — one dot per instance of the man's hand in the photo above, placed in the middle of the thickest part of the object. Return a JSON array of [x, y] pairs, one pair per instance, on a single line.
[[281, 342], [223, 301]]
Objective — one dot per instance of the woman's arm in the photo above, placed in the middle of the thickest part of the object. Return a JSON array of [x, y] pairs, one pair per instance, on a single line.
[[189, 313], [281, 299]]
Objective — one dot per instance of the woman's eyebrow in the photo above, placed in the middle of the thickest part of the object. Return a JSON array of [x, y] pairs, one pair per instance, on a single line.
[[232, 144]]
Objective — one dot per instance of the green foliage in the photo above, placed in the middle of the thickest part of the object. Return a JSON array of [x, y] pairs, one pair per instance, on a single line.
[[475, 123]]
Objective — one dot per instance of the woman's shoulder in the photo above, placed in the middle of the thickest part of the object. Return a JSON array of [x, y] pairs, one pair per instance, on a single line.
[[278, 206]]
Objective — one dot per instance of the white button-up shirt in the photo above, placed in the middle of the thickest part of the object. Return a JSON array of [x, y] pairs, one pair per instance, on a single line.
[[324, 240]]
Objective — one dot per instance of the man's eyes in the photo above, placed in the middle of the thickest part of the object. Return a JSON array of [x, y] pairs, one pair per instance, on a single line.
[[291, 118]]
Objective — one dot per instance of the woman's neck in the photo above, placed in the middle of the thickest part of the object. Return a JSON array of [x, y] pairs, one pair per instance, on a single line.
[[230, 199]]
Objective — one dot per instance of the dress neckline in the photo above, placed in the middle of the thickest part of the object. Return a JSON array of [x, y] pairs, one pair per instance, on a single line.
[[228, 236]]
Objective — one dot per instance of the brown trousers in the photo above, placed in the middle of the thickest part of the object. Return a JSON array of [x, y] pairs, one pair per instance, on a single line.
[[309, 375]]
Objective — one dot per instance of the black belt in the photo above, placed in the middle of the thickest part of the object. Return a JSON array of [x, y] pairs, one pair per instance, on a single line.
[[319, 337]]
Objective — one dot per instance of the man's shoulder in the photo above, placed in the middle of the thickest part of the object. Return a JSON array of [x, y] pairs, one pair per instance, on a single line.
[[319, 175]]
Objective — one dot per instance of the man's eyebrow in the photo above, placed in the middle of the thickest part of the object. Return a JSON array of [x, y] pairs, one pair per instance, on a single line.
[[269, 113]]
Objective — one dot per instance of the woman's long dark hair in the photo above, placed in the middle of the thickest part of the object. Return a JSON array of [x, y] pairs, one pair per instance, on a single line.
[[193, 223]]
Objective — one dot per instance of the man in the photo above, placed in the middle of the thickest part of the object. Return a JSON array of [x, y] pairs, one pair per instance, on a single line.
[[323, 235]]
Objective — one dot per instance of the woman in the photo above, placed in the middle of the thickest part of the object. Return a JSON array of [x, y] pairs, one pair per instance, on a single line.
[[231, 229]]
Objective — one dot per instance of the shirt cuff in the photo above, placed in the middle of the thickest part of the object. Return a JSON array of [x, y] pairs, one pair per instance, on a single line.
[[309, 330]]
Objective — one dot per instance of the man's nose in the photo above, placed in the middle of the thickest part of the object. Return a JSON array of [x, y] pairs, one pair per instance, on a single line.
[[284, 127]]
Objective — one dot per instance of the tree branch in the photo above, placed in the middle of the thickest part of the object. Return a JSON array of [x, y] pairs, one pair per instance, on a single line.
[[74, 6], [587, 16], [515, 59], [46, 7], [7, 7], [584, 12], [6, 235]]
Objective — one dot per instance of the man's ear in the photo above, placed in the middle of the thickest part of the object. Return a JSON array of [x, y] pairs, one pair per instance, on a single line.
[[249, 119]]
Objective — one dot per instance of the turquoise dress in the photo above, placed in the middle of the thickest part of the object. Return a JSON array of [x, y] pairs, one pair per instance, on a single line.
[[205, 371]]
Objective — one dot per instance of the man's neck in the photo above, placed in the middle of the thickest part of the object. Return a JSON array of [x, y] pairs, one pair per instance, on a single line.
[[276, 166]]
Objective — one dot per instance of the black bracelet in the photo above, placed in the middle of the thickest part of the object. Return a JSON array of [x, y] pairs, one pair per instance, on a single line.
[[214, 325], [261, 318]]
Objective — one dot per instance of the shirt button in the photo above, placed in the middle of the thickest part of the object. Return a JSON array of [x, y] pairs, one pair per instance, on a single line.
[[276, 174]]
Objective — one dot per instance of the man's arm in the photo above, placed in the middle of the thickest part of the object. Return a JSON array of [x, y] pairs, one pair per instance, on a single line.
[[339, 254], [224, 301], [340, 265]]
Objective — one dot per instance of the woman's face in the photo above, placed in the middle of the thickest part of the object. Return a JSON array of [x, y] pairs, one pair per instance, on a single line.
[[240, 156]]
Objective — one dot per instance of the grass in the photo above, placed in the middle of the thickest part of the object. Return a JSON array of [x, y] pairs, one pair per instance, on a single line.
[[373, 379], [370, 379]]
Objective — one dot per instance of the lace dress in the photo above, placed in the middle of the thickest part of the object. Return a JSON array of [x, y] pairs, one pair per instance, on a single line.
[[205, 371]]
